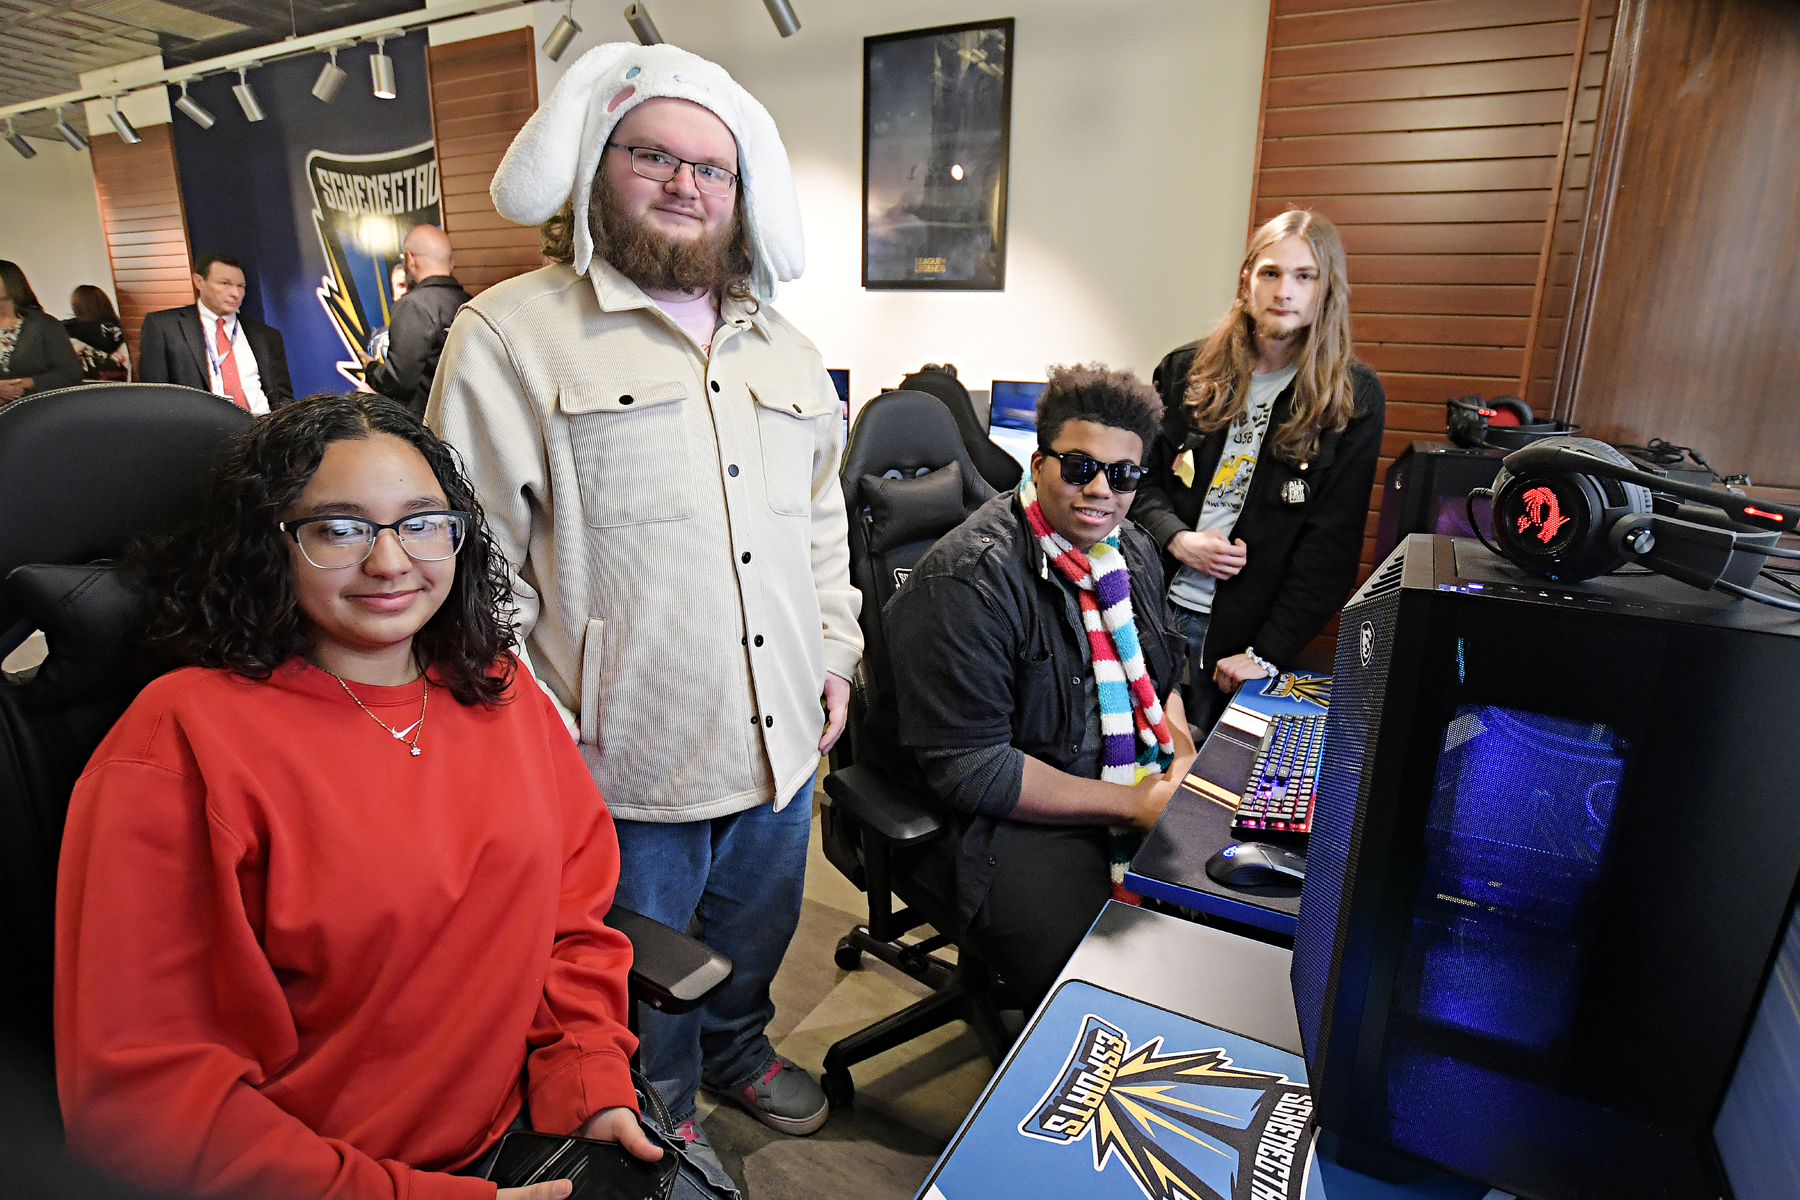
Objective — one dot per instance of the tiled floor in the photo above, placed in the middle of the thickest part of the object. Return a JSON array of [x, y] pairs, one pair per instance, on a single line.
[[909, 1101]]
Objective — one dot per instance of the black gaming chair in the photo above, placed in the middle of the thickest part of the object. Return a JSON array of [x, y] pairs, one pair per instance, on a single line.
[[907, 481], [1000, 469], [83, 471]]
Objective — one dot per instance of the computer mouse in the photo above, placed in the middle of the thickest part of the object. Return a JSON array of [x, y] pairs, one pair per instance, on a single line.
[[1256, 864]]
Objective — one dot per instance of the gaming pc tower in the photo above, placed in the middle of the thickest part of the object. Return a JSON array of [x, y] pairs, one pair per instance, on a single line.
[[1554, 858]]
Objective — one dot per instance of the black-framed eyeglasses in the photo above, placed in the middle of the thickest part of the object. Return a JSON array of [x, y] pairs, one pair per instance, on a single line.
[[1079, 469], [331, 543], [660, 166]]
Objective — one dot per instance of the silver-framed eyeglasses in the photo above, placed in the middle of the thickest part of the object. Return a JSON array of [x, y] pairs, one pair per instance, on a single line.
[[660, 166], [330, 543]]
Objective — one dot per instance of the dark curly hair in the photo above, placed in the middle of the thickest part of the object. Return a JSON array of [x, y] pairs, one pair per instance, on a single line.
[[219, 592], [1096, 393]]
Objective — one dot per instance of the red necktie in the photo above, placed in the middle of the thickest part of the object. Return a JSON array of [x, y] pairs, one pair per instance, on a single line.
[[228, 372]]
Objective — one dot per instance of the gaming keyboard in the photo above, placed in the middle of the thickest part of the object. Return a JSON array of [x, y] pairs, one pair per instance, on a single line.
[[1277, 802]]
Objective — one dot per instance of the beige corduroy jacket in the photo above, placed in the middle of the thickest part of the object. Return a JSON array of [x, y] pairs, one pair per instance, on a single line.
[[675, 530]]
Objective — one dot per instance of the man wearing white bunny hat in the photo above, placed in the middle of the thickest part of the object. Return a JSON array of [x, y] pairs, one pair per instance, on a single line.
[[657, 451]]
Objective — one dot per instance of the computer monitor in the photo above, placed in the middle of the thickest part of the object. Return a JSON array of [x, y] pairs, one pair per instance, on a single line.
[[1012, 418], [1427, 490], [1550, 868], [1013, 404]]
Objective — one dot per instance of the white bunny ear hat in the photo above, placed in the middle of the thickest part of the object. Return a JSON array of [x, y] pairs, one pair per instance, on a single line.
[[555, 156]]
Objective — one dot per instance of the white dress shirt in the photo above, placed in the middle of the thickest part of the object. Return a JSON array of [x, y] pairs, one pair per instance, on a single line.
[[248, 373]]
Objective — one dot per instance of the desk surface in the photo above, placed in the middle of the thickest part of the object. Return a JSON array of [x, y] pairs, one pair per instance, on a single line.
[[1208, 974], [1171, 864], [1194, 1122]]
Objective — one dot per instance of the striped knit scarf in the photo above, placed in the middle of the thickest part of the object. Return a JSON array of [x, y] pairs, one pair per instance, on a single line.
[[1134, 735]]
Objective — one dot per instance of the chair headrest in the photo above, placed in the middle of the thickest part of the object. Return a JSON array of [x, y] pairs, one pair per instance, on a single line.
[[906, 434], [85, 470], [906, 510], [87, 613]]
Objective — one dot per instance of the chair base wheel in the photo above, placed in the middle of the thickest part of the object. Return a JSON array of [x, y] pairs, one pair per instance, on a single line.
[[847, 957], [840, 1089]]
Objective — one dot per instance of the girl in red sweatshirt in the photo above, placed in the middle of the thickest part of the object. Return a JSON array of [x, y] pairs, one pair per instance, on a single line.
[[329, 908]]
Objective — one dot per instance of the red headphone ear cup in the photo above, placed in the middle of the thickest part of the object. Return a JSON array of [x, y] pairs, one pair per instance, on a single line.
[[1510, 410]]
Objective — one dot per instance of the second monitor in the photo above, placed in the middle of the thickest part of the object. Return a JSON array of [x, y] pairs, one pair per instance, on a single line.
[[1012, 417]]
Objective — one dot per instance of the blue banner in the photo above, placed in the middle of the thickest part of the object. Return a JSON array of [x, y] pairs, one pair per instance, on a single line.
[[315, 199]]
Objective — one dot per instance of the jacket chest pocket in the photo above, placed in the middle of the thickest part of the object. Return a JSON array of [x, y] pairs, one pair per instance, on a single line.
[[630, 444], [787, 425]]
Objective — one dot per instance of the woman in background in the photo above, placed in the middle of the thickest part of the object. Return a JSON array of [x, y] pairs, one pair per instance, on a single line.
[[98, 338], [329, 911], [35, 355]]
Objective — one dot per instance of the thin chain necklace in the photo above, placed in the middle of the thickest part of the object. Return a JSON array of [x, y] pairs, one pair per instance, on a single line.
[[416, 728]]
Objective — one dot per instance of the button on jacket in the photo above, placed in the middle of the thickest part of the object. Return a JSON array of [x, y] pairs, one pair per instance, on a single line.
[[674, 525]]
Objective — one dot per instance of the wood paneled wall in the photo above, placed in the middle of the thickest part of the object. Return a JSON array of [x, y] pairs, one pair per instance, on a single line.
[[482, 92], [146, 231], [1687, 305], [1450, 142]]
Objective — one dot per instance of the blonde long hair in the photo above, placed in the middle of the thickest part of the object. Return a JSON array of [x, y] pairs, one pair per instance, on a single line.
[[1219, 381]]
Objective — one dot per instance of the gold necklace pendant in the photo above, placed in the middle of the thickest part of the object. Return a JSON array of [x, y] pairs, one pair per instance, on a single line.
[[399, 735]]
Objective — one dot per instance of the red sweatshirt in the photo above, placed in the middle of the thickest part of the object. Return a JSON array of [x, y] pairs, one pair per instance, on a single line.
[[293, 960]]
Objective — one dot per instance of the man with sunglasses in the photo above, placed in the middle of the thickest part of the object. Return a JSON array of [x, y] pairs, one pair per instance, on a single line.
[[657, 452], [1034, 678]]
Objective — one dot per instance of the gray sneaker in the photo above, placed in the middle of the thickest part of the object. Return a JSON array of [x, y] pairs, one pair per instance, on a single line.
[[783, 1097]]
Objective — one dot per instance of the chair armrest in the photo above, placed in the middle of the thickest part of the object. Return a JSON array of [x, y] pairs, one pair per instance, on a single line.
[[897, 815], [670, 970]]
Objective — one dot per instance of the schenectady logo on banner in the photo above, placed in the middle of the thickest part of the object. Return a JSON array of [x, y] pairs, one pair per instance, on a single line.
[[363, 206], [1186, 1126]]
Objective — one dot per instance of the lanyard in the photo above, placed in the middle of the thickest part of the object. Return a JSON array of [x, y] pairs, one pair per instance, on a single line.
[[214, 359]]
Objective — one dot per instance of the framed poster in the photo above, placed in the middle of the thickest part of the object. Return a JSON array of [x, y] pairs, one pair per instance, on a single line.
[[937, 119]]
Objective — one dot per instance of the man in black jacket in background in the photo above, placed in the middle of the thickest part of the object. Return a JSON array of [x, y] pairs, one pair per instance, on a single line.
[[419, 322]]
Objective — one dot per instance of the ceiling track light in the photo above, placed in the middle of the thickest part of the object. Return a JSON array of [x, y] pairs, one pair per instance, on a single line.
[[127, 134], [69, 133], [246, 97], [17, 141], [566, 31], [331, 78], [381, 71], [196, 111], [783, 14], [638, 17]]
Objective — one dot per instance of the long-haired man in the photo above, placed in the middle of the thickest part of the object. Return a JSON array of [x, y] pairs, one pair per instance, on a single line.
[[1258, 484]]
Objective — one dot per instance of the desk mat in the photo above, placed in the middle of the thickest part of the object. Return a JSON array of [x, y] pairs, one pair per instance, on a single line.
[[1109, 1098]]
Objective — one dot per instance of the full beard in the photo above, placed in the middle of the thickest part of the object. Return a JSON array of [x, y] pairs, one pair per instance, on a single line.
[[711, 263]]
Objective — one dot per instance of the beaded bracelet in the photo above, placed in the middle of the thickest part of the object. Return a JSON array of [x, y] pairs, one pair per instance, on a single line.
[[1268, 668]]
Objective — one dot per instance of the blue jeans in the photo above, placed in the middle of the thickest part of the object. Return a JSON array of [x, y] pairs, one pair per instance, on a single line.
[[1192, 625], [743, 876]]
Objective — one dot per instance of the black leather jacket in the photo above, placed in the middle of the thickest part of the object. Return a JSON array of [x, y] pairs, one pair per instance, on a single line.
[[1303, 528], [985, 648]]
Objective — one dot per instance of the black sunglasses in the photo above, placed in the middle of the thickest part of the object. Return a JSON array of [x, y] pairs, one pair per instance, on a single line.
[[1079, 469]]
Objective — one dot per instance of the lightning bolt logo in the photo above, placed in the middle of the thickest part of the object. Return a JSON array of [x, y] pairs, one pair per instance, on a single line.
[[1184, 1126], [1313, 690]]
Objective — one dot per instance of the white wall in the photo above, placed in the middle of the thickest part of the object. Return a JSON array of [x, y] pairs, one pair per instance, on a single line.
[[52, 226], [1133, 139]]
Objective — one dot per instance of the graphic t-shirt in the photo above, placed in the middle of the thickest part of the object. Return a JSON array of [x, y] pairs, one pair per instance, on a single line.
[[1193, 589]]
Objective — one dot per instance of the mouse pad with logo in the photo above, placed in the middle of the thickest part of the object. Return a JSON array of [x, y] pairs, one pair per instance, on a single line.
[[1109, 1098]]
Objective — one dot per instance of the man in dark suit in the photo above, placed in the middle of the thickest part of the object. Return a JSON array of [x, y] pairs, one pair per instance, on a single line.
[[420, 320], [209, 346]]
